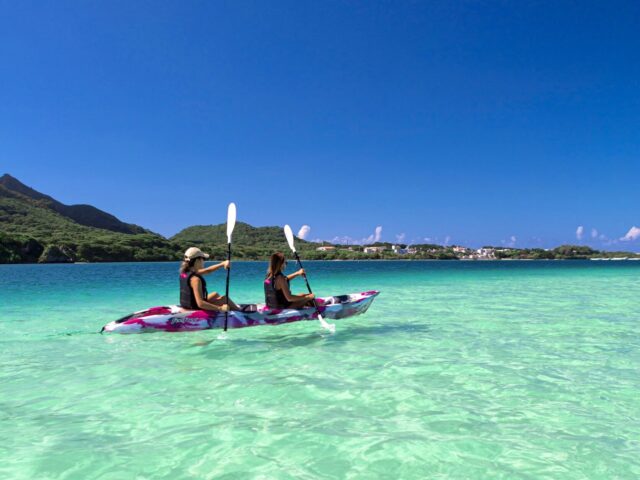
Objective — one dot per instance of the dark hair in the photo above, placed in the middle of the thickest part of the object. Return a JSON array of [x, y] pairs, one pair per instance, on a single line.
[[276, 264], [187, 264]]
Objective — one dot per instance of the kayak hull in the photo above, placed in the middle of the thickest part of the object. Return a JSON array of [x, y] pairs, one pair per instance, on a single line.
[[176, 319]]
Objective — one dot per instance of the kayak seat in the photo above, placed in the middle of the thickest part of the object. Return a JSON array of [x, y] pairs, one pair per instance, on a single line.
[[248, 308]]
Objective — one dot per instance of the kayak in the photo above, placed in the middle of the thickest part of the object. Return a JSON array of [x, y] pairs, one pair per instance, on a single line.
[[176, 319]]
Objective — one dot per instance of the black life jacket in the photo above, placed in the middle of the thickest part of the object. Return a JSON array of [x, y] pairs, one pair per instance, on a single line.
[[273, 297], [187, 298]]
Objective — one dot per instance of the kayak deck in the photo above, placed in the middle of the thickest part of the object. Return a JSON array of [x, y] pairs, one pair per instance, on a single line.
[[176, 319]]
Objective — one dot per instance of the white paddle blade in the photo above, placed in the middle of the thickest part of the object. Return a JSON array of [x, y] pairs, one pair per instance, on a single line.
[[289, 234], [327, 326], [231, 220]]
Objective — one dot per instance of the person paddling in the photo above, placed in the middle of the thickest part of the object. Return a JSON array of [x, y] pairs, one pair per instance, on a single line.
[[193, 287], [276, 286]]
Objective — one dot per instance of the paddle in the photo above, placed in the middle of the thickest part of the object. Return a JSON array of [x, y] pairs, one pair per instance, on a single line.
[[231, 223], [289, 234]]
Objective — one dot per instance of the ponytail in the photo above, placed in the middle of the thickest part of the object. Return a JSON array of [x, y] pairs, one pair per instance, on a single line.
[[187, 265], [276, 264]]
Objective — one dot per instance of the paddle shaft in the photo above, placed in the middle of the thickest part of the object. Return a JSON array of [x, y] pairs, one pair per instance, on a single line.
[[226, 314], [315, 304]]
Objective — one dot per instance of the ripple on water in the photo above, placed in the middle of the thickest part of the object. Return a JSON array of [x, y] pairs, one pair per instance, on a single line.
[[457, 371]]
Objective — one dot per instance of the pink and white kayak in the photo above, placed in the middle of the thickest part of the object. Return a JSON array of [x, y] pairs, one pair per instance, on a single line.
[[177, 319]]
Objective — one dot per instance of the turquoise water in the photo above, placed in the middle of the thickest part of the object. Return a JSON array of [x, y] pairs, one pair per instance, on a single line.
[[459, 370]]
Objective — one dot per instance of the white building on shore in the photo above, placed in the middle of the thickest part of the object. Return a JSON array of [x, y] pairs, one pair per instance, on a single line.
[[403, 251], [486, 253]]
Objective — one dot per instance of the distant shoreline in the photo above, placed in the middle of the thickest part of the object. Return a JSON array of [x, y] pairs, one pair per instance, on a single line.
[[36, 228], [389, 260]]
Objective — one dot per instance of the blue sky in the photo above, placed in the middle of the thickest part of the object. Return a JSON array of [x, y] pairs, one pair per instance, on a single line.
[[468, 122]]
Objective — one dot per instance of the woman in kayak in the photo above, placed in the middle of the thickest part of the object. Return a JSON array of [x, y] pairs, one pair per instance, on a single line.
[[276, 286], [193, 287]]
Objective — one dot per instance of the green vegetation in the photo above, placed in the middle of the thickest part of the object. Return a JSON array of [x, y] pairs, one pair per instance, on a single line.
[[86, 215], [18, 249], [36, 228], [563, 252], [250, 243], [33, 229]]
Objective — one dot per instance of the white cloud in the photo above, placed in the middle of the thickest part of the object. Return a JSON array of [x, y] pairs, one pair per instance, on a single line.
[[447, 239], [304, 231], [594, 233], [427, 239], [378, 233], [347, 240], [400, 237], [579, 232], [344, 240], [511, 242], [374, 237], [632, 235]]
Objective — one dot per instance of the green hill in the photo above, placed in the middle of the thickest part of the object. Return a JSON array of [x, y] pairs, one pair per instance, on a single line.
[[248, 242], [35, 227], [82, 214]]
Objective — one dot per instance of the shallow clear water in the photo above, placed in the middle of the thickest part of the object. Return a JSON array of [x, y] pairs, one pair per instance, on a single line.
[[458, 370]]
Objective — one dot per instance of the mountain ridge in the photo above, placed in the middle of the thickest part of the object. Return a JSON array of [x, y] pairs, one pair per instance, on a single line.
[[35, 227], [83, 214]]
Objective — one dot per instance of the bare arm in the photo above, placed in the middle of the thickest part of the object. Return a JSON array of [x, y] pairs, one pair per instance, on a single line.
[[287, 292], [196, 285], [296, 274], [213, 268]]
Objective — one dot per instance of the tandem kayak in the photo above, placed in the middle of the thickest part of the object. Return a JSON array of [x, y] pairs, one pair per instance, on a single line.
[[177, 319]]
